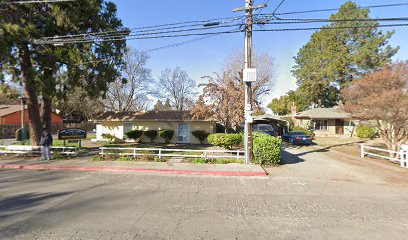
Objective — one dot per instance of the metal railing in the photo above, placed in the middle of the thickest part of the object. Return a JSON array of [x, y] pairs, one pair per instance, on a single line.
[[401, 156], [161, 152]]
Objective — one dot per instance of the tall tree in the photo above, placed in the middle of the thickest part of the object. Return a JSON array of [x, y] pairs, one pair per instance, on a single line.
[[383, 97], [340, 52], [158, 106], [176, 86], [225, 90], [128, 92], [36, 65], [167, 105]]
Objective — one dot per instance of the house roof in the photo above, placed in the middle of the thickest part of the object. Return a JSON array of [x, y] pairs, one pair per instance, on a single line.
[[323, 113], [171, 115], [9, 109], [269, 117]]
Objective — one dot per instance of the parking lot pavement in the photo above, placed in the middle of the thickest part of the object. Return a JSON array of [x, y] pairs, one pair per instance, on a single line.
[[287, 205]]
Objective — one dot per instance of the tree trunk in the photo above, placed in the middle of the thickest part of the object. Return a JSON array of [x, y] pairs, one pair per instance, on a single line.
[[46, 113], [31, 94]]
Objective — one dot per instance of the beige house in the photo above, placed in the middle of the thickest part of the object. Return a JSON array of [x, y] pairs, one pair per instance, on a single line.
[[119, 123], [327, 121]]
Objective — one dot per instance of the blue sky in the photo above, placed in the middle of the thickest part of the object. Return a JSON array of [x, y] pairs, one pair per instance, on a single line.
[[206, 56]]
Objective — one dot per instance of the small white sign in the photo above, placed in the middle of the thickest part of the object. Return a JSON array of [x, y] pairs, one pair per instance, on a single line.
[[249, 74]]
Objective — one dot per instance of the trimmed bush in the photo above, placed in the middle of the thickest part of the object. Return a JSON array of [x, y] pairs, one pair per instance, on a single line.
[[135, 134], [152, 134], [166, 134], [364, 131], [200, 135], [111, 138], [225, 140], [266, 149]]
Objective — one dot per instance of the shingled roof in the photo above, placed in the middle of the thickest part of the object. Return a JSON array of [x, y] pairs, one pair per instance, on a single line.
[[9, 109], [323, 113], [171, 115]]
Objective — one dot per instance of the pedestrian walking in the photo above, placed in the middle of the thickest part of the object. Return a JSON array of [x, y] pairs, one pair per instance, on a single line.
[[45, 144]]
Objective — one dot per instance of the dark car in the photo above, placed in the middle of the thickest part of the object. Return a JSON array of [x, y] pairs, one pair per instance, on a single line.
[[297, 138], [264, 128]]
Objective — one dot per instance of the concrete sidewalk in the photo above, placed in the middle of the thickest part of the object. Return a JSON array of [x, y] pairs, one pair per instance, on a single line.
[[122, 166]]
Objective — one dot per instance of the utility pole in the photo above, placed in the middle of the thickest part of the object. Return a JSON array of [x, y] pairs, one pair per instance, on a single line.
[[249, 76]]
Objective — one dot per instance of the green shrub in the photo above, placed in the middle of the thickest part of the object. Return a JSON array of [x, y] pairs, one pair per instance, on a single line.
[[20, 136], [98, 158], [134, 135], [111, 138], [225, 140], [200, 135], [200, 160], [266, 149], [152, 134], [365, 131], [166, 134], [302, 129]]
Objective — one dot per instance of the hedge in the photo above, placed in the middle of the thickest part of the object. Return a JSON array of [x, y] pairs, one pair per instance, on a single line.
[[364, 131], [166, 134], [266, 149], [152, 134], [200, 135], [225, 140], [135, 134]]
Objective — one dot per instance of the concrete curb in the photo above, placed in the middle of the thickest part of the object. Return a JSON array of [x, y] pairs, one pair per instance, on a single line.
[[137, 170]]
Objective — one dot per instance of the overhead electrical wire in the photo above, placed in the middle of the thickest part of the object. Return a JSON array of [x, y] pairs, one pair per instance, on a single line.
[[34, 1], [336, 9], [328, 28]]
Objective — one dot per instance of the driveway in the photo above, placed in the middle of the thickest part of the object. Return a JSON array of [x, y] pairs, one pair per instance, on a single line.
[[315, 196]]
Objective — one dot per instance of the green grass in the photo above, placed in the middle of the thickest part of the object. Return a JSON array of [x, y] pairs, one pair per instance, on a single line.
[[216, 160]]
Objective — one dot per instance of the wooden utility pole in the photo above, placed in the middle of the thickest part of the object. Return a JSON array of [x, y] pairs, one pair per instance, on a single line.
[[248, 77]]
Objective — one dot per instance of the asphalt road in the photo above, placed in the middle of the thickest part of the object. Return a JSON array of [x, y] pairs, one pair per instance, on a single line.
[[290, 204]]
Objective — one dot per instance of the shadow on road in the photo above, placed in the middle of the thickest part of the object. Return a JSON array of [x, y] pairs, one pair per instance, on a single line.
[[289, 158], [17, 204]]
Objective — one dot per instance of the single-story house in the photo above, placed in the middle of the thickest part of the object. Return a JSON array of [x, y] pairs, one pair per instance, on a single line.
[[327, 121], [11, 115], [119, 123]]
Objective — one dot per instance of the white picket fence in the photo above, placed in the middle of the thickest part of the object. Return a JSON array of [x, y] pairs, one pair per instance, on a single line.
[[401, 156], [24, 149], [164, 152]]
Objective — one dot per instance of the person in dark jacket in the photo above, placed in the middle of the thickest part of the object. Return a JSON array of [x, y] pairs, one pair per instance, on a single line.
[[45, 144]]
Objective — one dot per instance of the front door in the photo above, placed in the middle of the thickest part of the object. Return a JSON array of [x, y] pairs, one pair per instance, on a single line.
[[183, 133], [127, 127], [339, 126]]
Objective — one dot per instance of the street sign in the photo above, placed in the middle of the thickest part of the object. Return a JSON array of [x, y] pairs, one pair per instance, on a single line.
[[71, 134], [249, 74]]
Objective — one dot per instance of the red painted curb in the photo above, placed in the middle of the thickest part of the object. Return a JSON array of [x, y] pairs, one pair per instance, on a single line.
[[151, 170]]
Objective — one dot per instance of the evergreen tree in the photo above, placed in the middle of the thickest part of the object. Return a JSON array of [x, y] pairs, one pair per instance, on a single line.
[[36, 65], [167, 105], [159, 106], [339, 53]]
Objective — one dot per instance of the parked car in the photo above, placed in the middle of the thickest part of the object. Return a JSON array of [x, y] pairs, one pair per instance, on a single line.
[[297, 138], [264, 128]]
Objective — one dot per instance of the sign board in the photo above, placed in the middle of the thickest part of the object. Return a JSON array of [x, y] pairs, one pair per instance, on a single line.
[[249, 75], [71, 133]]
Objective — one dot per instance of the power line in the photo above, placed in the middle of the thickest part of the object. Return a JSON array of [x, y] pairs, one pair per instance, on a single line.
[[318, 20], [124, 36], [336, 9], [278, 7], [34, 1], [329, 28], [156, 49]]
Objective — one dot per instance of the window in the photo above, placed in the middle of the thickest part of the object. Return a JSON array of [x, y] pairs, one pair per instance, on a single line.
[[320, 125]]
